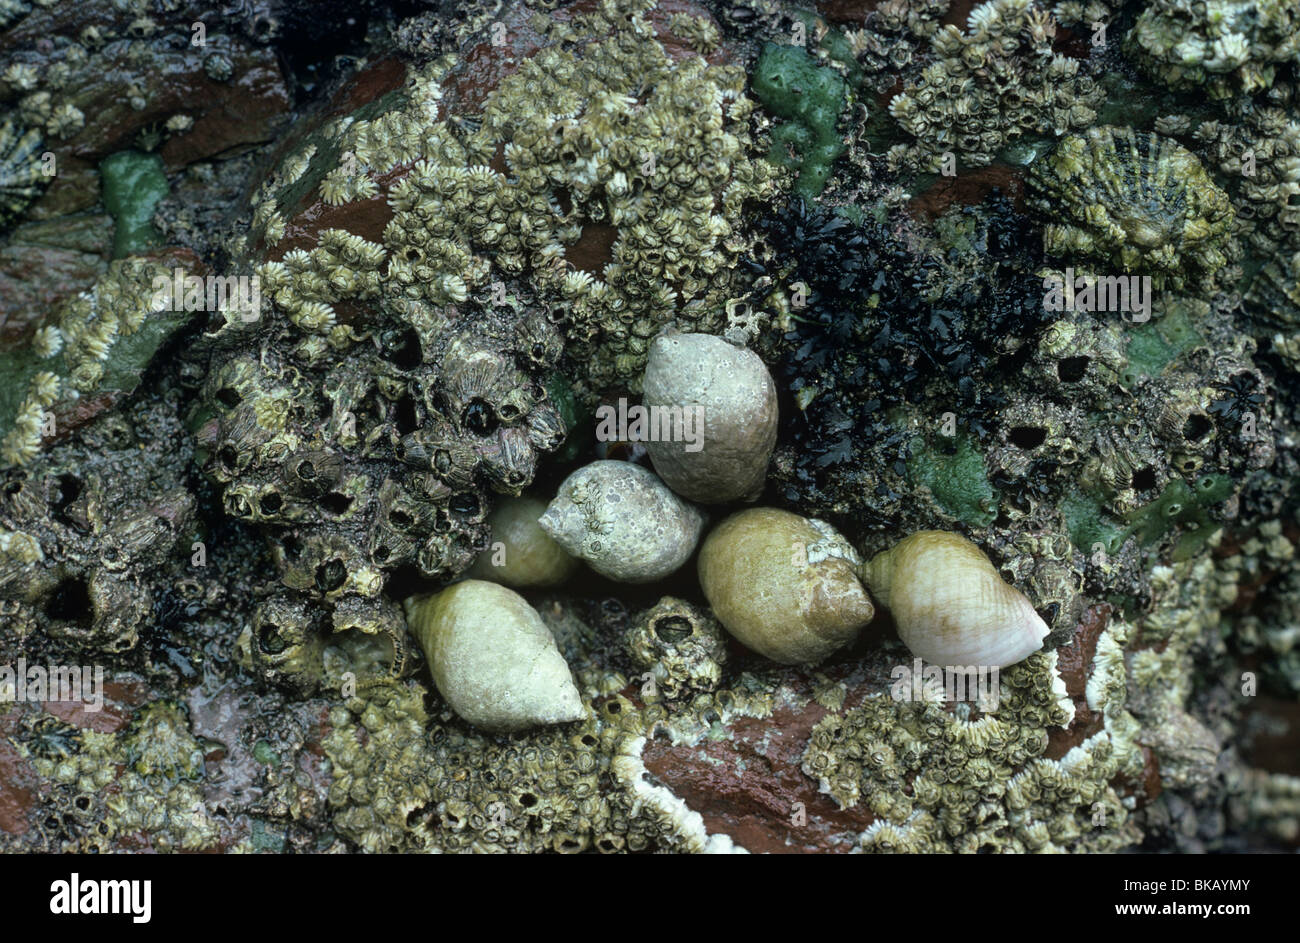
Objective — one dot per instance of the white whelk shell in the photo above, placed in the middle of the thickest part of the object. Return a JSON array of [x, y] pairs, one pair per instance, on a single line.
[[725, 398], [950, 605]]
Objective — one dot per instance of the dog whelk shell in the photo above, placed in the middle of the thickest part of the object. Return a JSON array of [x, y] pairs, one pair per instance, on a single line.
[[951, 606], [521, 553], [623, 521], [726, 400], [493, 659], [784, 585]]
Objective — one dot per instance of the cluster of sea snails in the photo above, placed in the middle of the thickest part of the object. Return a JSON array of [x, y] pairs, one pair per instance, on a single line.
[[361, 581], [788, 587]]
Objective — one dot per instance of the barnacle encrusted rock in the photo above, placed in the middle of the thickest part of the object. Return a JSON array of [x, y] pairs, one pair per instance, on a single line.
[[404, 781], [603, 166], [941, 781], [784, 585], [90, 352], [155, 766], [456, 250], [1135, 200], [623, 521], [1225, 46], [731, 396], [988, 86], [493, 658], [133, 80], [425, 260], [94, 530]]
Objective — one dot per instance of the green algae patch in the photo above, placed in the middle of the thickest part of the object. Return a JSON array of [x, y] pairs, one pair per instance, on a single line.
[[833, 42], [1179, 506], [792, 86], [133, 184], [1152, 346], [1088, 526], [957, 478], [577, 419], [1186, 507]]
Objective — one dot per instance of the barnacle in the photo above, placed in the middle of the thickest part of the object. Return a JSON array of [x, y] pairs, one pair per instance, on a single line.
[[968, 763], [1136, 200], [680, 646], [463, 247], [87, 551], [22, 176], [989, 86]]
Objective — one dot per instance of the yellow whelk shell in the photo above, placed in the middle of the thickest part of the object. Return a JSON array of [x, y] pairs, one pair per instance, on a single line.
[[951, 606], [784, 585]]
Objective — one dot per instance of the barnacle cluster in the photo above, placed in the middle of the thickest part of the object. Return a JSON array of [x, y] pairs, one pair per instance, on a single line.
[[158, 796], [85, 555], [1227, 47], [1135, 201], [939, 781], [99, 341], [990, 85], [406, 782], [610, 181], [382, 460]]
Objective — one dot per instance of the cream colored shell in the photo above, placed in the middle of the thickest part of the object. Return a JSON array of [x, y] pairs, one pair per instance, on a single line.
[[520, 552], [950, 605], [493, 659]]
